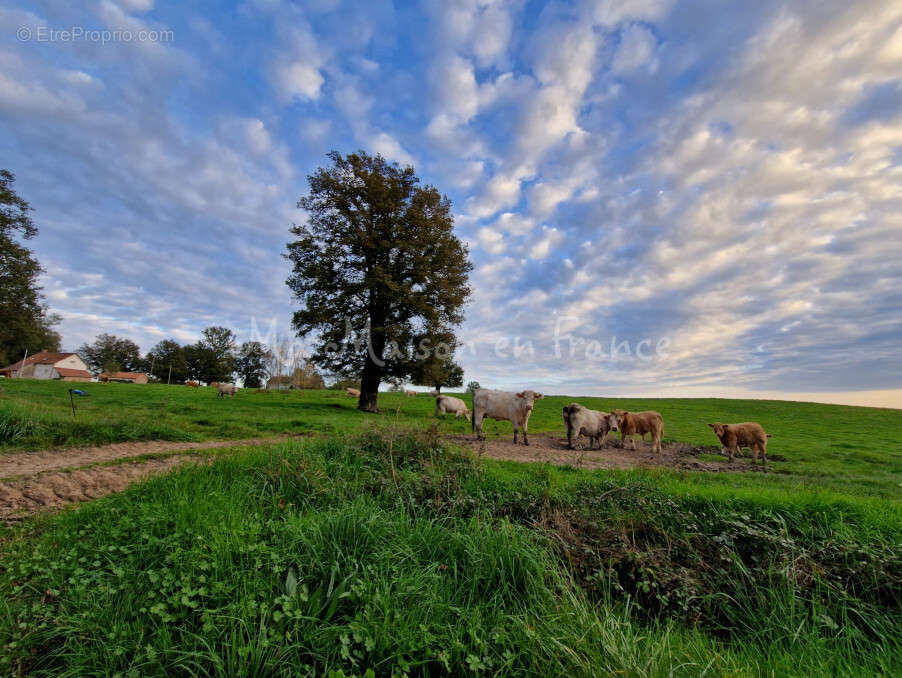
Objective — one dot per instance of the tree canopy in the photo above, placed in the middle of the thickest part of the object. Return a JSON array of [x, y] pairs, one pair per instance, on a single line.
[[25, 322], [110, 353], [375, 266], [167, 361], [250, 364]]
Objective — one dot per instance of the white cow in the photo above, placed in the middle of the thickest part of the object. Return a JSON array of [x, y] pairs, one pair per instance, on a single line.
[[455, 406], [226, 390], [503, 406], [594, 424]]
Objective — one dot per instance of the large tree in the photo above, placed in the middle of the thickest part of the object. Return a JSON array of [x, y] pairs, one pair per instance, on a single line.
[[250, 364], [167, 362], [110, 353], [25, 323], [213, 357], [375, 265]]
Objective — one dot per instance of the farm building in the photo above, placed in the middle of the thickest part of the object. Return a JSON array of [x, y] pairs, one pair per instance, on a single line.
[[125, 377], [45, 365]]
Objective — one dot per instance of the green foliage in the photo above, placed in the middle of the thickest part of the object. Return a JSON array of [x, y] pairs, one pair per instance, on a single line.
[[25, 323], [473, 386], [110, 353], [436, 368], [250, 364], [394, 554], [167, 359], [375, 263], [212, 359]]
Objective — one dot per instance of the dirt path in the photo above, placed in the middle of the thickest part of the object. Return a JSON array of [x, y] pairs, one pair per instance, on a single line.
[[54, 489], [30, 463], [37, 481], [544, 448]]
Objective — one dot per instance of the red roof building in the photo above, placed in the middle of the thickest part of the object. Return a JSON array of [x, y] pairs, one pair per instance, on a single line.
[[46, 365]]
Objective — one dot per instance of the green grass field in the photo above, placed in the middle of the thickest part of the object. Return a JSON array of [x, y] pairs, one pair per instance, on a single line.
[[378, 548], [853, 450]]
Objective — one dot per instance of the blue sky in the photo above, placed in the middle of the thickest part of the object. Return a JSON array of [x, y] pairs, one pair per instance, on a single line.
[[720, 181]]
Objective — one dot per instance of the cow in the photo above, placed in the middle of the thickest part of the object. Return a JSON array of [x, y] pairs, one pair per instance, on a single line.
[[410, 394], [595, 425], [749, 434], [352, 392], [192, 384], [503, 406], [451, 404], [639, 423], [223, 390]]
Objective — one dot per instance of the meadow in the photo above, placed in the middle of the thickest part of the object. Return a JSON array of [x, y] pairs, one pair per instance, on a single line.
[[832, 447], [381, 548]]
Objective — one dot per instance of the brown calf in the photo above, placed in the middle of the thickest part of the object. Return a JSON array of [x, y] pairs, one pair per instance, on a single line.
[[748, 434], [639, 423]]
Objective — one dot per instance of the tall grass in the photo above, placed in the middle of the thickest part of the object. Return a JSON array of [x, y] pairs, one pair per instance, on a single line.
[[399, 556]]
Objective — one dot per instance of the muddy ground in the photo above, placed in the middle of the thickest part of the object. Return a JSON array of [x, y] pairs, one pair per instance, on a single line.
[[553, 449]]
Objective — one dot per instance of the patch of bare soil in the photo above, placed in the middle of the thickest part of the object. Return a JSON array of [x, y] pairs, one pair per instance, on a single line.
[[552, 449], [30, 463], [37, 481], [54, 489]]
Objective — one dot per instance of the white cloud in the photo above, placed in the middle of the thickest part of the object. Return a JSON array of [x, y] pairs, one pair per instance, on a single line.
[[297, 69], [298, 80], [636, 50]]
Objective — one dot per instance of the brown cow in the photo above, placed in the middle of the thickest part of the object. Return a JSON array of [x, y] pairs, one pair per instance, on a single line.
[[748, 434], [639, 423], [411, 394], [192, 384], [352, 392]]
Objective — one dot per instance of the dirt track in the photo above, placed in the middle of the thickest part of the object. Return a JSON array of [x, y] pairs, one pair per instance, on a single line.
[[29, 463], [36, 481], [544, 448]]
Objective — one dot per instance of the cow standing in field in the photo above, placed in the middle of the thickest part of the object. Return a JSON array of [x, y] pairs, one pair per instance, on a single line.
[[192, 384], [639, 423], [410, 394], [451, 404], [223, 390], [595, 425], [503, 406], [352, 392], [749, 434]]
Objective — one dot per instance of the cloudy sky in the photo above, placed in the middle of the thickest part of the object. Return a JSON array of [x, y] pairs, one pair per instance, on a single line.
[[715, 189]]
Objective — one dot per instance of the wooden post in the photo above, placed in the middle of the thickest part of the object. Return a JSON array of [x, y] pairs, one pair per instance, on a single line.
[[72, 402]]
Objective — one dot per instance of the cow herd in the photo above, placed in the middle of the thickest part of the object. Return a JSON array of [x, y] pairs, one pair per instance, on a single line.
[[595, 425], [579, 421]]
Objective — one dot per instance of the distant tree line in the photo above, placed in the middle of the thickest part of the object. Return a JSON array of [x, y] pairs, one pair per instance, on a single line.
[[216, 357]]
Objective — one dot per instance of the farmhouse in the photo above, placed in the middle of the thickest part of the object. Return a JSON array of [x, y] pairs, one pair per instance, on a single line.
[[45, 365], [125, 377]]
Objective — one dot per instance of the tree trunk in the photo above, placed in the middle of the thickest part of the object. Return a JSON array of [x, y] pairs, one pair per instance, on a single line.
[[369, 386], [438, 389]]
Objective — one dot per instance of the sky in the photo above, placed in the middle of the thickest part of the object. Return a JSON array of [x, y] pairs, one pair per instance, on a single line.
[[660, 198]]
